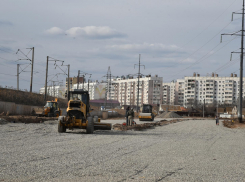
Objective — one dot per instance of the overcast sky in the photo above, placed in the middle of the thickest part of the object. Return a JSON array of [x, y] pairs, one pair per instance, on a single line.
[[174, 37]]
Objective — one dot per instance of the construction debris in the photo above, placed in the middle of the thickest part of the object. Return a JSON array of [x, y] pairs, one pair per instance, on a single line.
[[139, 127], [233, 123]]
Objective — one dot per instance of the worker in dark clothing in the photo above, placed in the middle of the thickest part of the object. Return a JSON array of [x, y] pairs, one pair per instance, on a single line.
[[217, 120], [131, 116], [126, 115]]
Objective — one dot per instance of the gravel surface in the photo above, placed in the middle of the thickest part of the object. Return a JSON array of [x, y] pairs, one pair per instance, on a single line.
[[193, 150]]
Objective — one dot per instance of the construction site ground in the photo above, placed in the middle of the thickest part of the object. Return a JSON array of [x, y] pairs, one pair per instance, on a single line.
[[178, 149]]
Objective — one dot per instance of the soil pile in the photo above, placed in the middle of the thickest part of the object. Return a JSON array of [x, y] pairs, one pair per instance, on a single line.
[[169, 115], [162, 115], [233, 123]]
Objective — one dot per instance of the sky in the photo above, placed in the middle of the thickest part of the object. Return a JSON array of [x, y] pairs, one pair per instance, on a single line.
[[174, 39]]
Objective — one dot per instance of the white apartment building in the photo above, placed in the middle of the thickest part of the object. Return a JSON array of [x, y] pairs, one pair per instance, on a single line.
[[125, 90], [169, 93], [54, 91], [196, 89], [97, 90]]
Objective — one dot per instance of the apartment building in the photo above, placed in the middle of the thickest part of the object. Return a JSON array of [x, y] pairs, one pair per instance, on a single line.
[[125, 90], [196, 89], [54, 91], [97, 90]]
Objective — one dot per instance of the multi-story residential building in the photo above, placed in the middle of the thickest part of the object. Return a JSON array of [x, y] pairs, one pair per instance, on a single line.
[[54, 91], [74, 81], [196, 89], [179, 92], [126, 90], [97, 90]]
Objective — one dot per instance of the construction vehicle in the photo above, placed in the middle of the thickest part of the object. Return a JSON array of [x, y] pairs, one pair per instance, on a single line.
[[78, 114], [52, 109], [147, 113]]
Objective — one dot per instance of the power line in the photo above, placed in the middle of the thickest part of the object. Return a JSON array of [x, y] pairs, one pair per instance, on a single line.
[[202, 58], [209, 24]]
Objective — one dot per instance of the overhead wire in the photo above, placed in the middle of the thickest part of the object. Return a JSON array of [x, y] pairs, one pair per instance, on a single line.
[[203, 57], [209, 24]]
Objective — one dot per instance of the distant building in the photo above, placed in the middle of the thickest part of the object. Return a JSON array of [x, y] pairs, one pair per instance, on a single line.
[[195, 89], [97, 90], [125, 90], [54, 91]]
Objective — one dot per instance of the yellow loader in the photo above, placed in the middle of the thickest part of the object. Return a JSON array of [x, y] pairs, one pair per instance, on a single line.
[[78, 114], [52, 109]]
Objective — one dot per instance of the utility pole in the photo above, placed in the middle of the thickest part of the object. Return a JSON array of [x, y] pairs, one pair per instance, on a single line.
[[88, 86], [46, 80], [68, 86], [84, 74], [108, 86], [83, 82], [18, 65], [32, 61], [53, 88], [138, 83], [241, 62], [203, 108], [78, 79], [241, 68]]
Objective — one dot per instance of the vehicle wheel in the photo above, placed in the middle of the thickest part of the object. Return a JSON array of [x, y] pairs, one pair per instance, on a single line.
[[90, 126], [61, 127]]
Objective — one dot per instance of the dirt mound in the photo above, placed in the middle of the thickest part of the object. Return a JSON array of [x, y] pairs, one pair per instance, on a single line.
[[162, 115], [233, 123], [139, 127], [172, 115], [169, 115]]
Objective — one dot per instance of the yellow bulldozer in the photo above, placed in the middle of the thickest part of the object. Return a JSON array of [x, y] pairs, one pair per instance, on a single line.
[[52, 109], [78, 114], [147, 113]]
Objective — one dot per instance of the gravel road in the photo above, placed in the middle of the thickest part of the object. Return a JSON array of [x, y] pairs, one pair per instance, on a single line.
[[192, 150]]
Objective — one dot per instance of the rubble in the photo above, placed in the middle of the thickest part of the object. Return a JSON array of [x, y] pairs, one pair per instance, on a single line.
[[139, 127]]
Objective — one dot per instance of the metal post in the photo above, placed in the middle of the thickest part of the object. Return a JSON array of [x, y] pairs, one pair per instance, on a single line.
[[88, 86], [241, 69], [18, 65], [83, 82], [46, 80], [68, 88], [32, 61], [78, 79], [138, 86], [217, 109], [203, 107]]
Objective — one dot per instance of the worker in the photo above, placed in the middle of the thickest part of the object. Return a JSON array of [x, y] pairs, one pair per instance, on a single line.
[[131, 116], [126, 115], [217, 120]]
